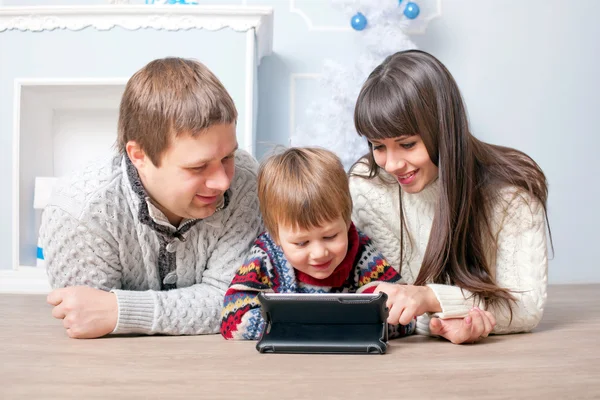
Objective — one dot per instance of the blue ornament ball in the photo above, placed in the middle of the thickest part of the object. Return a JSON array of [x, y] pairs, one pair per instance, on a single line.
[[358, 22], [412, 10]]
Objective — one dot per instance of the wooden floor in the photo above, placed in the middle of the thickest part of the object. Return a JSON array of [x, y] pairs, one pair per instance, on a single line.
[[558, 361]]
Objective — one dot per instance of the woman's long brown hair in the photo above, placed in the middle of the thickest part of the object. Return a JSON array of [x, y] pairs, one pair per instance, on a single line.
[[410, 93]]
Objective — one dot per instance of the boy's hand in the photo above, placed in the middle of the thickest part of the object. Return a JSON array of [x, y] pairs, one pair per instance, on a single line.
[[86, 312], [406, 302]]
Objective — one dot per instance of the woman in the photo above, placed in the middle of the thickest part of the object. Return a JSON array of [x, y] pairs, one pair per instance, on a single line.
[[464, 220]]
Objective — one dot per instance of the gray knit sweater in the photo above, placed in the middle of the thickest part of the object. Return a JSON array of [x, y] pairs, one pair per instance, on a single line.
[[100, 229]]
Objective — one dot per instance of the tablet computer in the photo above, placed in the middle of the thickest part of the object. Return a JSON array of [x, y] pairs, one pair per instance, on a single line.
[[343, 323]]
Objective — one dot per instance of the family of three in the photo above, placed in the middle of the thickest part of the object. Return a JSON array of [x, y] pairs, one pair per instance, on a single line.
[[179, 231]]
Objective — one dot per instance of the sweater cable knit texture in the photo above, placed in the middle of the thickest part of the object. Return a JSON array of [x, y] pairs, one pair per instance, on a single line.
[[520, 264], [92, 235]]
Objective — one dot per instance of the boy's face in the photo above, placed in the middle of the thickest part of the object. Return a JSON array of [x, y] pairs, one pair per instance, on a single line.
[[194, 173], [316, 252]]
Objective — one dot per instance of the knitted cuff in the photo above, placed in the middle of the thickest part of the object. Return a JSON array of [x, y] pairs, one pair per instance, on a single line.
[[454, 301], [136, 311], [422, 327]]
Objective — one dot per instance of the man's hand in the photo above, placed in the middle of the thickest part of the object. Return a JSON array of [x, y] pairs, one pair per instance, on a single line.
[[406, 302], [474, 327], [86, 312]]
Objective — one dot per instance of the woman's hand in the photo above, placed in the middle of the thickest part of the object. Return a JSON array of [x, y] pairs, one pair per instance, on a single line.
[[470, 329], [406, 302]]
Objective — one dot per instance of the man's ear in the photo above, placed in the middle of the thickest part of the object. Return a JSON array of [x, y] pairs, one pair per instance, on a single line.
[[136, 154]]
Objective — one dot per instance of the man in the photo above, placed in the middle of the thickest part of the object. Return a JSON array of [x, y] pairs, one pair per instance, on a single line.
[[148, 242]]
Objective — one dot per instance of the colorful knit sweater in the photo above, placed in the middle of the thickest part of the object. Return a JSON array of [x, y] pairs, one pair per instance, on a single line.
[[267, 270]]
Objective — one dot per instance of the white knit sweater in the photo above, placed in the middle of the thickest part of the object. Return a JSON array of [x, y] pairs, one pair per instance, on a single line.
[[521, 263], [92, 235]]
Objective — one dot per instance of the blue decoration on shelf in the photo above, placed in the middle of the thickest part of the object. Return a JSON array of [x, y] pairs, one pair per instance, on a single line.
[[412, 10], [358, 22], [40, 253]]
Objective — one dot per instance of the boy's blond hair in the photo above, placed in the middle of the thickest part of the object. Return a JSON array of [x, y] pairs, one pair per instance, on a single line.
[[169, 97], [303, 187]]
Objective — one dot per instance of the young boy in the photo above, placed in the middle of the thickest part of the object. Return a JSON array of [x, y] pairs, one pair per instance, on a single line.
[[311, 245]]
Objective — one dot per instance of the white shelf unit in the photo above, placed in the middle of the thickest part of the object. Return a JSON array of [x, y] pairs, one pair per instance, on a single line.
[[60, 123]]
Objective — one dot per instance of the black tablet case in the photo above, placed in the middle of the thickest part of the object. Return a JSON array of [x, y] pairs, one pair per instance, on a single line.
[[324, 323]]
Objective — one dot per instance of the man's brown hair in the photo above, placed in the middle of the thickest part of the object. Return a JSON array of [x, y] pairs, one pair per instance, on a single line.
[[169, 97], [303, 187]]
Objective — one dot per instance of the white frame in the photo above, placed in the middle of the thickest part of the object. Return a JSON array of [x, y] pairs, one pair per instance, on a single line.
[[133, 17], [249, 93], [26, 279], [257, 22]]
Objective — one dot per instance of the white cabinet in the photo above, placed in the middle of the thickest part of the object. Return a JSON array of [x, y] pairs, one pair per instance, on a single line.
[[62, 72]]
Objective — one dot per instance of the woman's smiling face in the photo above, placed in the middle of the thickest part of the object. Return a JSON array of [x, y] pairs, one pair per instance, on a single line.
[[407, 159]]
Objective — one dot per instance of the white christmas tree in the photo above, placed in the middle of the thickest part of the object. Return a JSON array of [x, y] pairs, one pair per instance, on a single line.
[[381, 26]]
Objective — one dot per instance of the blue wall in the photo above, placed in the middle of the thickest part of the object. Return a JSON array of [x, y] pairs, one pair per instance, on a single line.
[[528, 72]]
